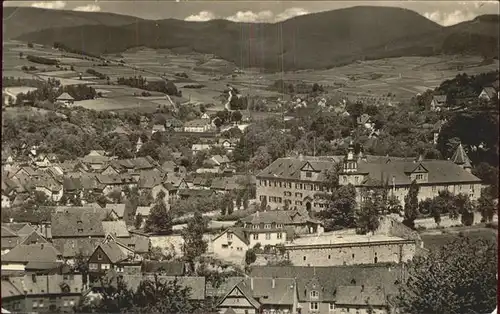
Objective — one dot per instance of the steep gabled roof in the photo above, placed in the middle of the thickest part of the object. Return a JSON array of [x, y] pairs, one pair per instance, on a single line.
[[361, 295], [23, 253], [114, 252]]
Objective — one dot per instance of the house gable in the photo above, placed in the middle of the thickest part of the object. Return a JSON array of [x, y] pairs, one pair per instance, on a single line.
[[236, 298], [99, 257]]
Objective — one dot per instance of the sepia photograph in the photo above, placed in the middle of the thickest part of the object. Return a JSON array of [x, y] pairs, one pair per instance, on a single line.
[[250, 157]]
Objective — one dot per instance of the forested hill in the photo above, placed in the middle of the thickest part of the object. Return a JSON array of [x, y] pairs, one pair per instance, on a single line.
[[318, 40], [23, 20]]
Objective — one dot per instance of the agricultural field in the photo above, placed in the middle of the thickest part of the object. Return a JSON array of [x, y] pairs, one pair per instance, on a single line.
[[437, 239], [404, 77]]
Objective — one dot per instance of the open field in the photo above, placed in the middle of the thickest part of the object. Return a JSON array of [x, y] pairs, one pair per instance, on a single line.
[[437, 239], [118, 103], [14, 91], [404, 77]]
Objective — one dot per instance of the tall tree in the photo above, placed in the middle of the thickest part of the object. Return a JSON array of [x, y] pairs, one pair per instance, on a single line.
[[159, 220], [369, 212], [411, 205], [194, 245], [341, 211], [458, 278]]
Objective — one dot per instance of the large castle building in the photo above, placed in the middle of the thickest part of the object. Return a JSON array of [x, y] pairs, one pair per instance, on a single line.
[[293, 182]]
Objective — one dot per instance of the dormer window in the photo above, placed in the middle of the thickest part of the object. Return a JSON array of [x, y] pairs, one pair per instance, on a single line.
[[229, 236], [255, 227], [308, 174], [279, 225], [267, 226], [314, 294], [419, 177]]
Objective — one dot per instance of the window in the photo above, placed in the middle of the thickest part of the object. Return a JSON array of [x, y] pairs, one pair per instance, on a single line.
[[331, 307], [255, 226], [92, 266], [224, 246], [298, 194], [267, 226], [313, 306], [352, 255], [280, 235], [105, 266], [66, 303], [268, 236], [35, 304], [99, 256], [229, 236], [279, 225], [280, 183], [314, 294], [256, 236], [72, 302], [329, 257], [119, 269], [433, 188], [356, 179], [40, 304], [304, 258], [265, 182], [239, 249], [344, 178], [300, 186], [80, 230], [289, 185], [419, 177], [308, 174]]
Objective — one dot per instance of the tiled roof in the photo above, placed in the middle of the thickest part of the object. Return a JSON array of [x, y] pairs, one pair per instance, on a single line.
[[165, 268], [116, 228], [10, 290], [285, 217], [221, 159], [48, 284], [71, 247], [119, 209], [123, 178], [282, 293], [7, 232], [95, 159], [114, 252], [23, 253], [363, 296], [223, 288], [36, 265], [289, 167], [439, 171], [225, 183], [150, 179], [140, 244], [330, 278], [78, 222]]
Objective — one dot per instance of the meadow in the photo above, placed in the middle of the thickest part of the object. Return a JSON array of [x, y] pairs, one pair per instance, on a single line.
[[403, 77]]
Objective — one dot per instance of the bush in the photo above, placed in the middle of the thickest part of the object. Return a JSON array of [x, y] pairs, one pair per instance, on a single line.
[[42, 60]]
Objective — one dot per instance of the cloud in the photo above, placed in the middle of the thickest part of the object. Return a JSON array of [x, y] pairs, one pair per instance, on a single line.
[[447, 19], [251, 17], [56, 5], [88, 8], [203, 16], [289, 13]]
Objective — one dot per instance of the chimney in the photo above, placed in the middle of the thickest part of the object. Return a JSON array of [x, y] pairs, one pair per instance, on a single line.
[[274, 283]]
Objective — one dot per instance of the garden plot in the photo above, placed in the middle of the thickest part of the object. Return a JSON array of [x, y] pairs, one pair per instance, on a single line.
[[119, 103]]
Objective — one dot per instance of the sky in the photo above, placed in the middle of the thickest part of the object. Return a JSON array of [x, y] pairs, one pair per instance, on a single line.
[[443, 12]]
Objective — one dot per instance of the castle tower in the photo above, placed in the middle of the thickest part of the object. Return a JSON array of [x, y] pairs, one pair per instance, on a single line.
[[460, 158], [350, 162]]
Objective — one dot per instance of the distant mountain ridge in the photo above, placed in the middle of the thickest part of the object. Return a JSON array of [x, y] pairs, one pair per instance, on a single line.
[[18, 21], [318, 40]]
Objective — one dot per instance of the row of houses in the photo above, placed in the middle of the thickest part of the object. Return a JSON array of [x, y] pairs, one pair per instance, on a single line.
[[344, 289]]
